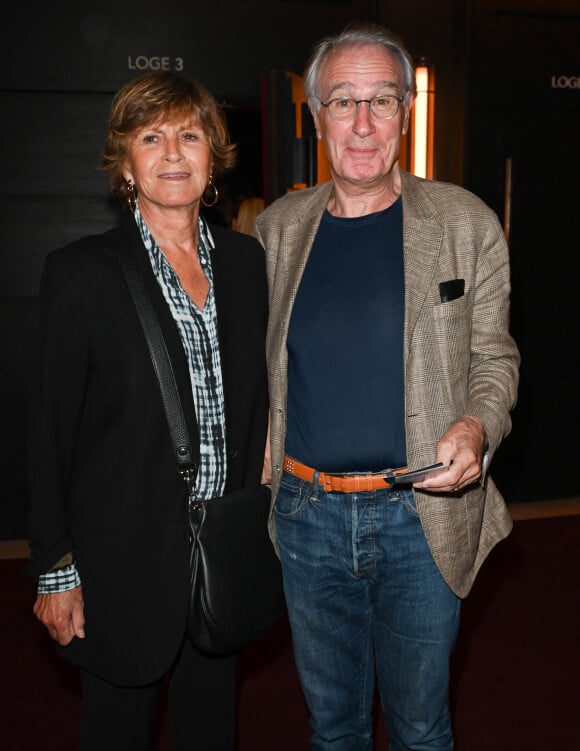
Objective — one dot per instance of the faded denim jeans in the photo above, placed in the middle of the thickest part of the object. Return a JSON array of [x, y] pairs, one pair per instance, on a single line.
[[366, 604]]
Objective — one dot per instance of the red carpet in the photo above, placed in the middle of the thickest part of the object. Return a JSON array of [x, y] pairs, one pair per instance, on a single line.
[[516, 670]]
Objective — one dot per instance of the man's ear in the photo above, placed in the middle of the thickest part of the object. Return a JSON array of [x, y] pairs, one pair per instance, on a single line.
[[315, 117], [407, 115]]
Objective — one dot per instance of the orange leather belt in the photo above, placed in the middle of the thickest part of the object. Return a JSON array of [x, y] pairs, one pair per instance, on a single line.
[[343, 483]]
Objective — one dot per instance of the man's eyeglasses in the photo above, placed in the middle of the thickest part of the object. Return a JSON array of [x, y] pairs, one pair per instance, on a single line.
[[384, 107]]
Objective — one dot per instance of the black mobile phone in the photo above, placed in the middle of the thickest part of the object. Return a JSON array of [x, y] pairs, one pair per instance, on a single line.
[[416, 475]]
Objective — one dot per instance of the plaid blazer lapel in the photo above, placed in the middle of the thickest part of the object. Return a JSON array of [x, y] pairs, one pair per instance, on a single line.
[[292, 244], [422, 238]]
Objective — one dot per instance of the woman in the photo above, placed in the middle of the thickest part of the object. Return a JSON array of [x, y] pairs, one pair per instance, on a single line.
[[108, 523]]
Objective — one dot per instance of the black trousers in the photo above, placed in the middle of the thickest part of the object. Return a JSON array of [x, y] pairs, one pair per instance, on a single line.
[[201, 699]]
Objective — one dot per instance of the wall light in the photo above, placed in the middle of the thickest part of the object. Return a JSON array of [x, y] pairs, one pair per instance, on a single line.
[[422, 122]]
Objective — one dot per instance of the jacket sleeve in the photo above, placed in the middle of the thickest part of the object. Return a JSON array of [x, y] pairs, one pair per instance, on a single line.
[[56, 406], [493, 375]]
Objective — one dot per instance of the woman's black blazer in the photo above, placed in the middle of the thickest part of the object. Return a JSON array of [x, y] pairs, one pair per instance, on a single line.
[[103, 479]]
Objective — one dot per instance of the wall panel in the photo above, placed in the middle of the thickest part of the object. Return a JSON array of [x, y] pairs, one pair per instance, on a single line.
[[60, 64], [524, 106]]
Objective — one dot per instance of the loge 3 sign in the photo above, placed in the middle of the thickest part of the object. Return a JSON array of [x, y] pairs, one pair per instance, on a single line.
[[142, 62], [566, 82]]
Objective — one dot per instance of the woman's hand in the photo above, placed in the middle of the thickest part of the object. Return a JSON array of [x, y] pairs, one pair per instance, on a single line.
[[63, 614]]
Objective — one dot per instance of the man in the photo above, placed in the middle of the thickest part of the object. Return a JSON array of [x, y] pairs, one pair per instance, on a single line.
[[388, 347]]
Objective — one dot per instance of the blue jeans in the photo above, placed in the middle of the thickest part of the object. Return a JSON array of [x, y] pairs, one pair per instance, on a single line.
[[366, 603]]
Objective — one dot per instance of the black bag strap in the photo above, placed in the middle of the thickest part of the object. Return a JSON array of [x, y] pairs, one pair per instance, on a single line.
[[163, 371]]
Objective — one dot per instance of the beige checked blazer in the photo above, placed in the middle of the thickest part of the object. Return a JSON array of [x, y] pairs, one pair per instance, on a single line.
[[459, 357]]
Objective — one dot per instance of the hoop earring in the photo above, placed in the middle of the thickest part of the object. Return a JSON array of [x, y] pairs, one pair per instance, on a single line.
[[131, 196], [216, 195]]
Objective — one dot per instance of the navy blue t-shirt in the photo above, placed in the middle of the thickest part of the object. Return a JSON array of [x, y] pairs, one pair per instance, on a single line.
[[345, 347]]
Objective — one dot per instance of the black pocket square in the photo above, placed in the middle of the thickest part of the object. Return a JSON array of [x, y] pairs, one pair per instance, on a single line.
[[451, 289]]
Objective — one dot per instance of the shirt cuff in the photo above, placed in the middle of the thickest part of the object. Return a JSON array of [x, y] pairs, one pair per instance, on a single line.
[[59, 581]]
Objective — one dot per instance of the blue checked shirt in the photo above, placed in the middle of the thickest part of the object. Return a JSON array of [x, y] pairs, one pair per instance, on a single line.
[[198, 330]]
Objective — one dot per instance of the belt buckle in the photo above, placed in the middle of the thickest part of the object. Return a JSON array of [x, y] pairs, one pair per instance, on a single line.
[[353, 482], [328, 482]]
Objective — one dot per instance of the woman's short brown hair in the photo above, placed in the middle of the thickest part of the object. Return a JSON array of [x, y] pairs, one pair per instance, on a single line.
[[168, 95]]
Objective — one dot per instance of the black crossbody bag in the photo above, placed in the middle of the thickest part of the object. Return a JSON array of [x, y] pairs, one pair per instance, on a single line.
[[236, 592]]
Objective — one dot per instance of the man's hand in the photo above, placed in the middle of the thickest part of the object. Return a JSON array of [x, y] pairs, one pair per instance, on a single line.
[[462, 448], [63, 614]]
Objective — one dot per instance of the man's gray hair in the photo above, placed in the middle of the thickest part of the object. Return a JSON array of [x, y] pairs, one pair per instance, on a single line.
[[356, 34]]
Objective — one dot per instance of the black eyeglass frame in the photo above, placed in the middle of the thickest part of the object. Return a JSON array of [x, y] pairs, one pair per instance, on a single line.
[[358, 102]]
